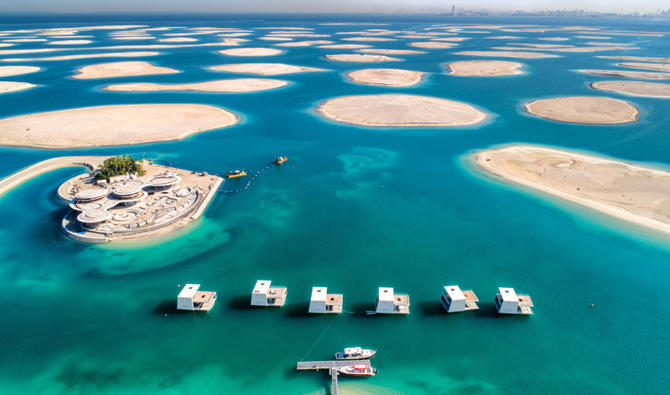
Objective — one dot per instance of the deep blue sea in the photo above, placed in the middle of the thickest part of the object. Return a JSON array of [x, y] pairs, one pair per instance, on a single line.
[[355, 208]]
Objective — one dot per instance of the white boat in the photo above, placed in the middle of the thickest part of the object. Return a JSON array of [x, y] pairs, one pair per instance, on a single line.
[[355, 353], [360, 369]]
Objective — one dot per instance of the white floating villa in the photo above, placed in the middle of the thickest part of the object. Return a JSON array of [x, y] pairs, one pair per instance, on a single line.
[[456, 300], [509, 302], [266, 295], [190, 298], [391, 303], [322, 302]]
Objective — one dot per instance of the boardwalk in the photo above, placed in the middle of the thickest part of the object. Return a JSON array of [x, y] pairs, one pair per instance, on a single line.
[[332, 367]]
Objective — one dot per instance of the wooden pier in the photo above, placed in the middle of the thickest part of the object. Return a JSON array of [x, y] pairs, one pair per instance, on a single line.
[[332, 367]]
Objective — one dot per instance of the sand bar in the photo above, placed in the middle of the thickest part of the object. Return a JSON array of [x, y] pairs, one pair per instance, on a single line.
[[12, 86], [303, 43], [432, 44], [363, 58], [344, 46], [7, 71], [631, 192], [646, 66], [112, 125], [584, 109], [639, 58], [570, 49], [397, 110], [375, 39], [386, 77], [70, 42], [133, 54], [177, 40], [634, 88], [382, 51], [508, 54], [644, 75], [484, 68], [251, 52], [121, 69], [264, 68], [238, 85]]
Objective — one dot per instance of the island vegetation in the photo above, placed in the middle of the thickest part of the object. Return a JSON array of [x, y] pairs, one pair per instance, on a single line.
[[119, 165]]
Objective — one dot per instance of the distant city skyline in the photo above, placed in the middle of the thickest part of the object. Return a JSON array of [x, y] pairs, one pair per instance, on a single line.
[[327, 6]]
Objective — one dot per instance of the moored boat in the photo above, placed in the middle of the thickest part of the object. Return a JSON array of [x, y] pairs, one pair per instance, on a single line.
[[352, 353], [281, 160], [236, 174], [358, 370]]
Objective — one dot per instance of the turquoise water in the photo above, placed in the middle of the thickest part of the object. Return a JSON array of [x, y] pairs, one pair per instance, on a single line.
[[353, 209]]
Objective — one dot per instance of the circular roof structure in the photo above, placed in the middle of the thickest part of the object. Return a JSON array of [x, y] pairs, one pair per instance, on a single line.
[[164, 180], [93, 216], [92, 193], [127, 188]]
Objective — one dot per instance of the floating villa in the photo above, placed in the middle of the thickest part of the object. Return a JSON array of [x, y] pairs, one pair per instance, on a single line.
[[193, 300], [509, 302], [266, 295], [391, 303], [322, 302], [134, 207], [456, 300]]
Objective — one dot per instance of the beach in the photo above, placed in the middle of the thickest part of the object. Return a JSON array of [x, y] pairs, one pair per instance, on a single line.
[[584, 109], [237, 85], [386, 77], [484, 68], [121, 69]]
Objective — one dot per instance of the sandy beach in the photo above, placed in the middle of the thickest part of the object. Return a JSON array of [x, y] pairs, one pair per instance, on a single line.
[[121, 69], [627, 191], [584, 109], [112, 125], [133, 54], [639, 58], [508, 54], [7, 71], [264, 68], [70, 42], [363, 58], [381, 51], [646, 66], [432, 44], [386, 77], [11, 86], [344, 46], [237, 85], [371, 39], [484, 68], [303, 43], [645, 75], [634, 88], [398, 110], [251, 52], [177, 40]]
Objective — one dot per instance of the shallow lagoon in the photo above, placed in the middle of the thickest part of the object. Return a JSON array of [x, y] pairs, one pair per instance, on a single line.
[[353, 209]]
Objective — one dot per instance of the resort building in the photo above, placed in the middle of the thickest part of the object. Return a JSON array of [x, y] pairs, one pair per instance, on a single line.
[[191, 299], [391, 303], [322, 302], [266, 295], [456, 300], [509, 302]]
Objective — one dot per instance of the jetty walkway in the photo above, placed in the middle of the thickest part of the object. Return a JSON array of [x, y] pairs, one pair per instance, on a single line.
[[332, 367], [45, 166]]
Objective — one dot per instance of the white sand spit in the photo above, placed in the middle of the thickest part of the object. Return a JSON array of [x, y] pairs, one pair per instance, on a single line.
[[11, 86], [631, 192], [7, 71], [484, 68], [363, 58], [584, 109], [634, 88], [263, 68], [121, 69], [646, 66], [238, 85], [386, 77], [396, 110], [251, 52], [112, 125]]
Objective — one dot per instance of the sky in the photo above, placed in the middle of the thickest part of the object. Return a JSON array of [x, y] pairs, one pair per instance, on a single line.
[[320, 6]]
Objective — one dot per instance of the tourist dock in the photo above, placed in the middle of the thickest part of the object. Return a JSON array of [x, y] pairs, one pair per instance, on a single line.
[[332, 367]]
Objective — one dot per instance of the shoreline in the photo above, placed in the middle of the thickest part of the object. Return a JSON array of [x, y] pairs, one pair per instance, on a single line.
[[482, 162]]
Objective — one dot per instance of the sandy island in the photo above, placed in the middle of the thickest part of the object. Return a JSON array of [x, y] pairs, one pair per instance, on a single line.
[[364, 58], [344, 46], [251, 52], [432, 44], [371, 39], [112, 125], [639, 58], [645, 75], [135, 54], [634, 88], [303, 43], [380, 51], [508, 54], [70, 42], [11, 86], [386, 77], [646, 66], [484, 68], [121, 69], [7, 71], [177, 40], [264, 68], [238, 85], [634, 193], [584, 109], [397, 110]]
